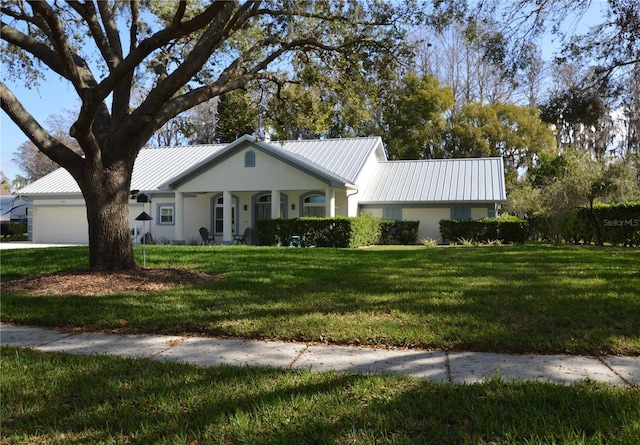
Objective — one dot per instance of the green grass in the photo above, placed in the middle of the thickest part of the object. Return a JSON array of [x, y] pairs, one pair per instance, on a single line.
[[523, 299], [60, 398]]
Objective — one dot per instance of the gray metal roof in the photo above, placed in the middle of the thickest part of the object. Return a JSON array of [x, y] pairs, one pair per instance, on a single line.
[[343, 157], [441, 180], [155, 167], [393, 181]]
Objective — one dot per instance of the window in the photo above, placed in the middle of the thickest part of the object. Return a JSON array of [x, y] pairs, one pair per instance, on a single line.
[[463, 213], [218, 215], [249, 159], [314, 205], [165, 214]]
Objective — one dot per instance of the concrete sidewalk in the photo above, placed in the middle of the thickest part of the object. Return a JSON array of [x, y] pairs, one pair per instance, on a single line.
[[451, 367]]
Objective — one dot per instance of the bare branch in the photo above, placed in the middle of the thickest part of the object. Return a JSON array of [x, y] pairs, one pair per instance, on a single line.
[[39, 50], [88, 12], [156, 41], [61, 45], [182, 7], [111, 28], [49, 145]]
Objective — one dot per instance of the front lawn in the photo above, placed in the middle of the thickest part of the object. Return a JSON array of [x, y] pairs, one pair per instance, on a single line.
[[60, 399], [522, 299]]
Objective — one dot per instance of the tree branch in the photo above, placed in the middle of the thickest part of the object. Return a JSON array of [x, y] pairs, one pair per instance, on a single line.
[[61, 45], [151, 44], [109, 23], [38, 49], [88, 12], [182, 7], [49, 145]]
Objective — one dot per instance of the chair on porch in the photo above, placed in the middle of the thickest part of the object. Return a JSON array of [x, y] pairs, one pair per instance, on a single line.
[[206, 239], [242, 239]]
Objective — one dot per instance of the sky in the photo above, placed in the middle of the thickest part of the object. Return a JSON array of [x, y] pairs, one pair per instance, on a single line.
[[52, 97], [55, 95]]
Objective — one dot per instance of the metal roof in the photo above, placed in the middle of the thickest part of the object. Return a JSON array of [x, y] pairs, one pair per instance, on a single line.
[[444, 180], [155, 167], [343, 157], [441, 180]]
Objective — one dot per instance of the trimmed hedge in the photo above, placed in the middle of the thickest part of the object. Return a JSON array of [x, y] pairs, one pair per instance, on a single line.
[[507, 229], [618, 224], [336, 232]]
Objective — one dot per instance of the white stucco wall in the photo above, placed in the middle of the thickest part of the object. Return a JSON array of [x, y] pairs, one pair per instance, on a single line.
[[268, 174], [429, 221]]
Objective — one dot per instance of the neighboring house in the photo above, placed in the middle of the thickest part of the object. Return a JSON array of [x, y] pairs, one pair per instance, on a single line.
[[227, 188]]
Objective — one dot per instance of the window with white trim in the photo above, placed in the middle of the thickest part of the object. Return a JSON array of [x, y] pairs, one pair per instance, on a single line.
[[165, 214], [314, 205]]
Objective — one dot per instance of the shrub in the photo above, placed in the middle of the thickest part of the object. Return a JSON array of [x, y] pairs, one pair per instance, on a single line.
[[619, 223], [507, 229], [336, 232], [16, 231]]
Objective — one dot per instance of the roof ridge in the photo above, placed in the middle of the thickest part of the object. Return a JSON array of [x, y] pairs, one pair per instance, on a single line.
[[398, 161]]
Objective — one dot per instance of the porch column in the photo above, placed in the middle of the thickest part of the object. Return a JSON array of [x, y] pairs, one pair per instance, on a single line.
[[227, 227], [179, 217], [330, 202], [275, 204]]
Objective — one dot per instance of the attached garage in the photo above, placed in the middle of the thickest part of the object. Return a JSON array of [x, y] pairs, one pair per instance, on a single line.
[[62, 223]]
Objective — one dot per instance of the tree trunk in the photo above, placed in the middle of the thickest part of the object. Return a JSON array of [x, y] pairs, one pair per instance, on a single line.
[[106, 193]]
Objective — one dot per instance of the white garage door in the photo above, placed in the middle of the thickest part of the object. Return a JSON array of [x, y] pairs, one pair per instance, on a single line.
[[60, 225]]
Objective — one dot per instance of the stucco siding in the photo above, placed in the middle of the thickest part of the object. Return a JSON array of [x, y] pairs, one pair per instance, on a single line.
[[269, 173], [429, 221], [479, 212]]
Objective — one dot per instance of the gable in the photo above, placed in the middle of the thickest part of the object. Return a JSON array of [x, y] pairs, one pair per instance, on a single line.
[[250, 168], [275, 168]]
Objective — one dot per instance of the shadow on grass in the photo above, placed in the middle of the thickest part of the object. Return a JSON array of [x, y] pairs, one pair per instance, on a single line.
[[503, 299], [101, 399]]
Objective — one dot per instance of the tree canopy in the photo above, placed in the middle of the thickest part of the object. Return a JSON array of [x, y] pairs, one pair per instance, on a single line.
[[183, 54]]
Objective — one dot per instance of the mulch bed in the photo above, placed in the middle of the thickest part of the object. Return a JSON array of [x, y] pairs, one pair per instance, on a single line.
[[86, 282]]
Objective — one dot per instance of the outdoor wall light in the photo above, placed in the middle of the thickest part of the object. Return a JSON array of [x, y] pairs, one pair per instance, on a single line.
[[245, 207], [293, 206]]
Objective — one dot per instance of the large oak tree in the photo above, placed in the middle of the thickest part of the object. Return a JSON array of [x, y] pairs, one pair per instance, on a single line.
[[183, 53]]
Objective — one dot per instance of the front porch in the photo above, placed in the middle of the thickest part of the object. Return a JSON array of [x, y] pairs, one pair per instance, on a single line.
[[228, 213]]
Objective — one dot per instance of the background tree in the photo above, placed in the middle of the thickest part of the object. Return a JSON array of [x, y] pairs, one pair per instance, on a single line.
[[236, 116], [204, 121], [557, 185], [454, 55], [185, 53], [415, 118], [4, 182], [516, 133], [35, 163]]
